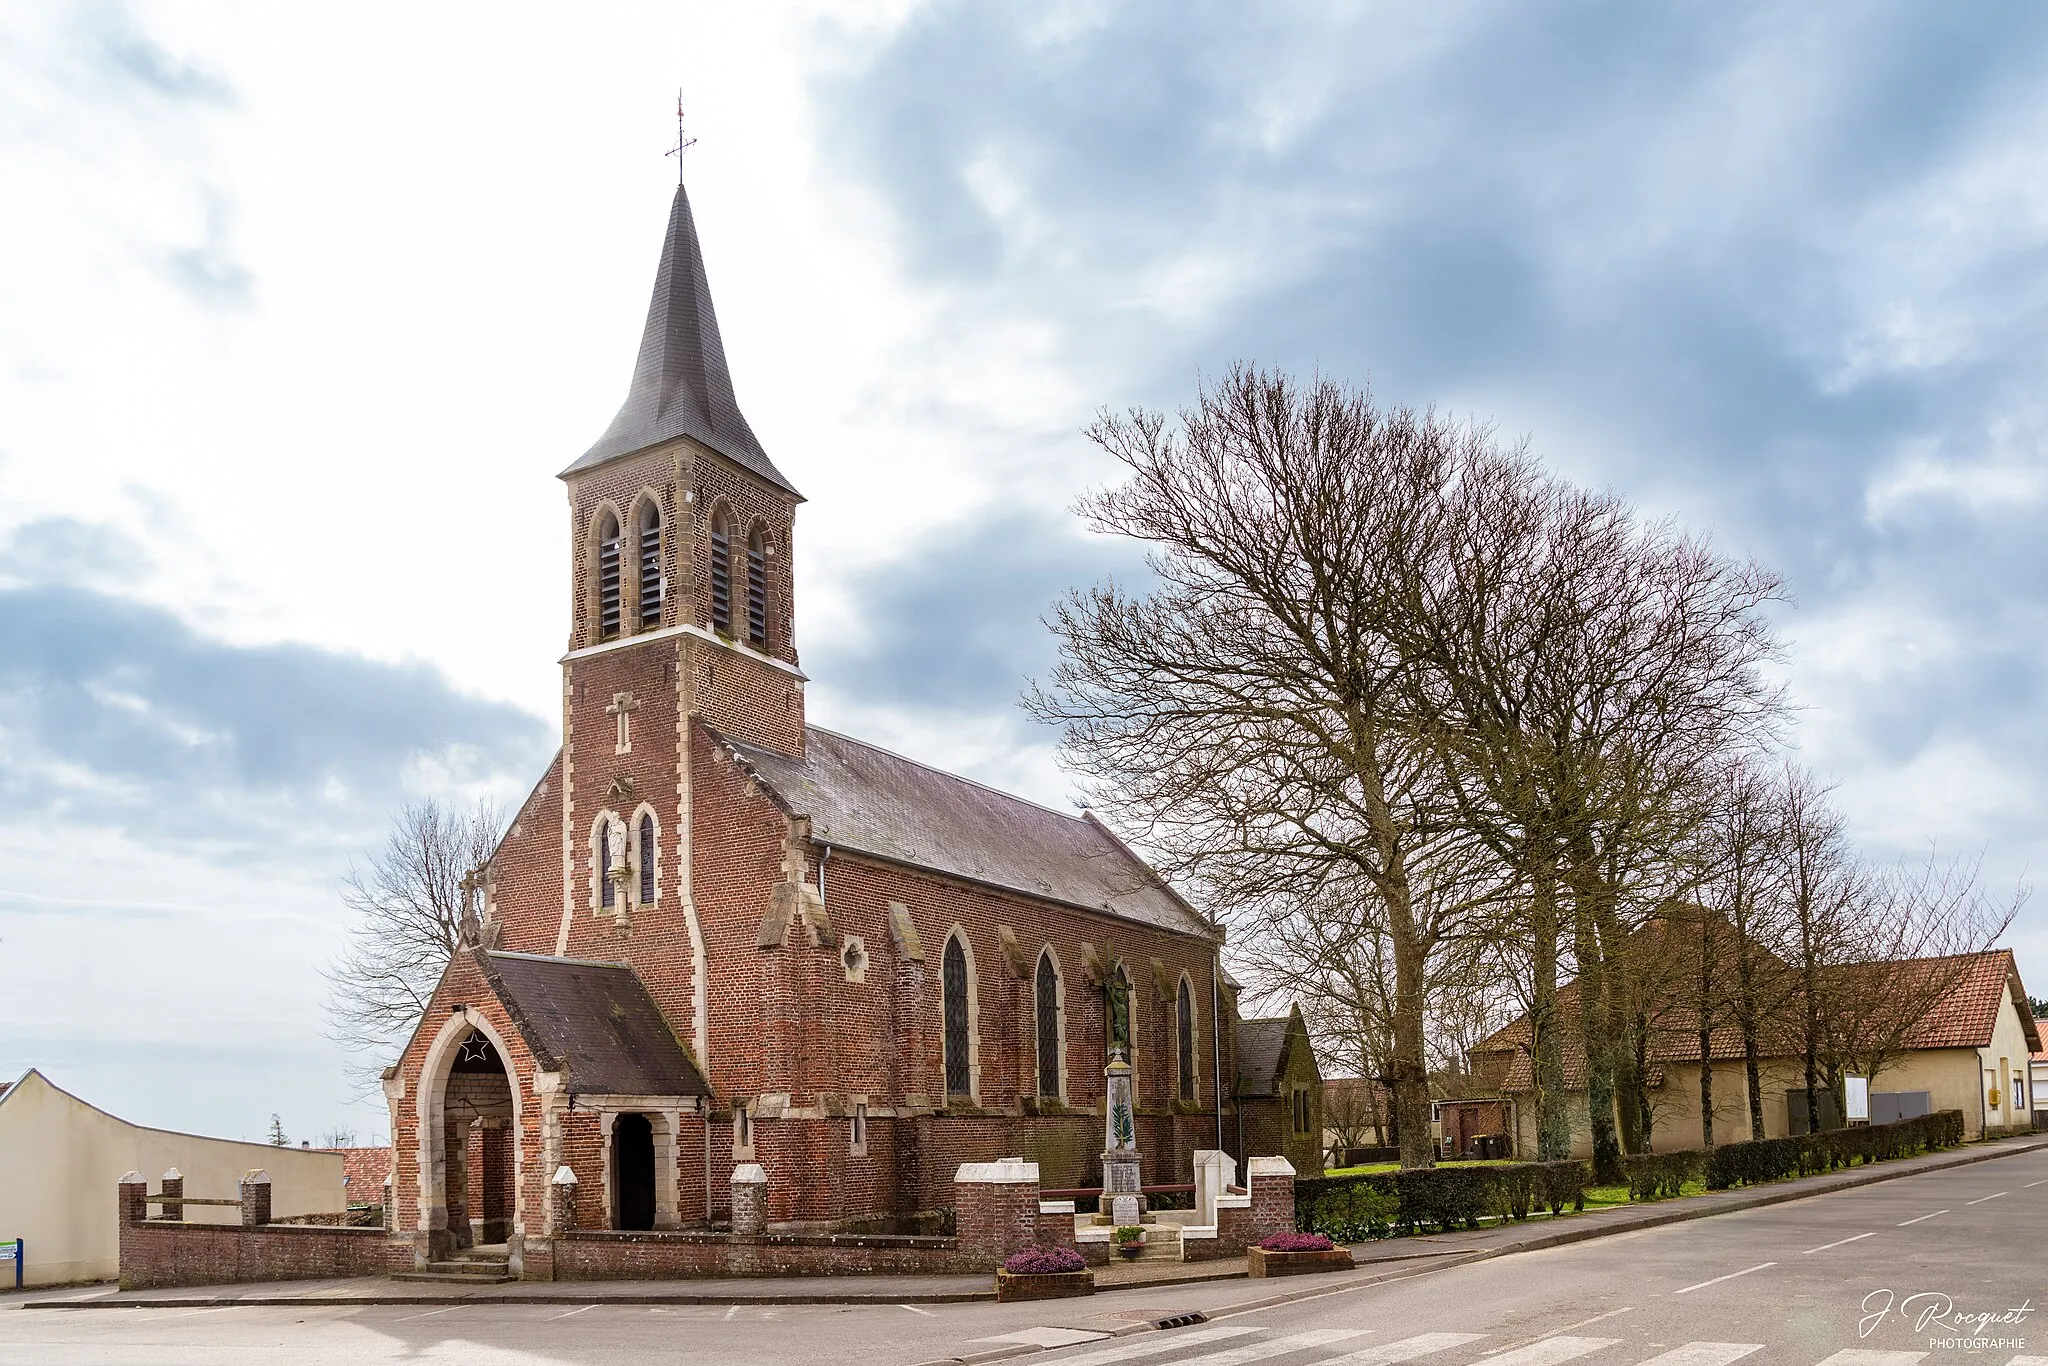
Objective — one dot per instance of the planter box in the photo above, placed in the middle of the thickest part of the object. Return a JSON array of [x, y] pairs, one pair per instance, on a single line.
[[1259, 1262], [1057, 1285]]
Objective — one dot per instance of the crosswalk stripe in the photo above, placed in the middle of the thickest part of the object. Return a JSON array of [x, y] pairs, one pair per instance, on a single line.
[[1155, 1344], [1705, 1354], [1550, 1351], [1275, 1347], [1863, 1356], [1407, 1349], [2028, 1361]]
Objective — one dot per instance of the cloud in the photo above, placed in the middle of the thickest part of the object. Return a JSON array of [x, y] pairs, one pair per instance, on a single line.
[[133, 58], [117, 713]]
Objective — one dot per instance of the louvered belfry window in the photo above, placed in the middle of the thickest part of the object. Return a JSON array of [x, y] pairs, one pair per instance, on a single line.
[[650, 567], [608, 577], [1185, 1018], [1047, 991], [757, 592], [721, 575], [647, 858], [604, 864], [953, 982]]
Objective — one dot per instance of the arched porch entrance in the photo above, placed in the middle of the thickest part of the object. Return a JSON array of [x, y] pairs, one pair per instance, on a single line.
[[469, 1132]]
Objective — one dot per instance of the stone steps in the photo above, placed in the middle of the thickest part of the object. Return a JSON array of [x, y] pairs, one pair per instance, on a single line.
[[464, 1269]]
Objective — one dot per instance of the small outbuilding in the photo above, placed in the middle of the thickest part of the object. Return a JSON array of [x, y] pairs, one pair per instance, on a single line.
[[1280, 1091]]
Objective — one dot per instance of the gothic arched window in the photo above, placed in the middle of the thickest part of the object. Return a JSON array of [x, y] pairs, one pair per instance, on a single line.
[[757, 591], [721, 574], [608, 577], [1047, 992], [604, 863], [1184, 1020], [650, 566], [954, 986], [647, 858]]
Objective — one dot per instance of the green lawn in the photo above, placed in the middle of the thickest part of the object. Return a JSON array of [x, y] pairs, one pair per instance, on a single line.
[[1374, 1168]]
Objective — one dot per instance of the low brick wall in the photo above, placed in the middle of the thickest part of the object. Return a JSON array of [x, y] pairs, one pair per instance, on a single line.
[[596, 1255], [160, 1253]]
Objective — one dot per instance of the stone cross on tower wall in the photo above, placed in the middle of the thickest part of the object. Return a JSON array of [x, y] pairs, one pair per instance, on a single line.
[[623, 705]]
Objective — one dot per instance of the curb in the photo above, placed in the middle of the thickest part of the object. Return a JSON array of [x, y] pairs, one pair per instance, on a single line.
[[1407, 1265]]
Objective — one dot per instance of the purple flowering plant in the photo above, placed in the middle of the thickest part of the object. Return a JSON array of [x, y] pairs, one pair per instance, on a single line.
[[1038, 1260], [1295, 1242]]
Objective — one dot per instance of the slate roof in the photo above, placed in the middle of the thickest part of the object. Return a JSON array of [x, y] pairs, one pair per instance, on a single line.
[[681, 386], [867, 800], [1261, 1046], [595, 1024]]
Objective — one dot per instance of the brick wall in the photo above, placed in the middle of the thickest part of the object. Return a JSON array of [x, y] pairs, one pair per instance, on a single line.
[[595, 1256]]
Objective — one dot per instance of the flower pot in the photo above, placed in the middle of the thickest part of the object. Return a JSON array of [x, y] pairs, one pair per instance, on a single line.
[[1259, 1262], [1130, 1252], [1050, 1286]]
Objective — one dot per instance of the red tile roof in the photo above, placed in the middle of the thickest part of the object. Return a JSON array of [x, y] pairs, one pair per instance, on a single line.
[[366, 1170]]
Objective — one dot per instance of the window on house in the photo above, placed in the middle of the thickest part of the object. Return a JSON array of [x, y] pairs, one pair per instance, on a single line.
[[650, 567], [721, 575], [953, 986], [1184, 1021], [604, 864], [608, 577], [648, 855], [1301, 1115], [757, 591], [1047, 992]]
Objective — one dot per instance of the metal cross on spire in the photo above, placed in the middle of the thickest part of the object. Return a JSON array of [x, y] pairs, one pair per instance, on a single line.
[[684, 142]]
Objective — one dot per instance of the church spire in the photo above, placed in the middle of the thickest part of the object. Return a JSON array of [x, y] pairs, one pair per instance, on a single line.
[[681, 386]]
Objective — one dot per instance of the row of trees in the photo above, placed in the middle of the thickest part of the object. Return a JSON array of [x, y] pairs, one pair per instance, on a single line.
[[1438, 731]]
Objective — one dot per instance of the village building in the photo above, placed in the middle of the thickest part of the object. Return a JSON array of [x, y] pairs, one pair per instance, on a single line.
[[1965, 1048], [1280, 1092], [62, 1157], [717, 938]]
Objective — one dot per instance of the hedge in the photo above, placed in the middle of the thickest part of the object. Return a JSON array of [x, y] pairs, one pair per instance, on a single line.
[[1773, 1159], [1351, 1209], [1660, 1176]]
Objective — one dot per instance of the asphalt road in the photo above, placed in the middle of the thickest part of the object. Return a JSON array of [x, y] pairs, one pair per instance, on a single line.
[[1886, 1275]]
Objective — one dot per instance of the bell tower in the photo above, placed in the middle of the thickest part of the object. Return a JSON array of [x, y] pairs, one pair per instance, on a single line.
[[680, 556]]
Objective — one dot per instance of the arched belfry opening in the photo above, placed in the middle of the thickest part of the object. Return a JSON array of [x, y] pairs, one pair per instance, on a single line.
[[471, 1131]]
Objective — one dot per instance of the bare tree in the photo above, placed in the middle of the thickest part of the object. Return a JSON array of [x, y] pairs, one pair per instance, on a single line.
[[1249, 719], [405, 911]]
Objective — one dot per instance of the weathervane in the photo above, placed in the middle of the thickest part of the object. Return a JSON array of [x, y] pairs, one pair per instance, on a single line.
[[684, 142]]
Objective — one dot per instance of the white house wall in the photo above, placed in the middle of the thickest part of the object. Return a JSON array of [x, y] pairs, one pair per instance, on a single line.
[[62, 1157]]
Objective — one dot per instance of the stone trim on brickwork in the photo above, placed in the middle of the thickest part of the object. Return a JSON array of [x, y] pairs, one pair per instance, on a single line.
[[429, 1113], [684, 629]]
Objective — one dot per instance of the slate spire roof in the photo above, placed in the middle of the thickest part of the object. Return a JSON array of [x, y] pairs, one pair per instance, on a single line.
[[681, 386]]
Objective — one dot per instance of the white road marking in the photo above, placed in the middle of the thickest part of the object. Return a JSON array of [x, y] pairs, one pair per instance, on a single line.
[[1154, 1344], [1407, 1349], [1863, 1356], [188, 1313], [2028, 1361], [729, 1313], [429, 1314], [1259, 1351], [1046, 1337], [1718, 1279], [1924, 1216], [570, 1315], [1705, 1354], [1982, 1199], [1583, 1322], [1551, 1351], [915, 1310], [1825, 1246]]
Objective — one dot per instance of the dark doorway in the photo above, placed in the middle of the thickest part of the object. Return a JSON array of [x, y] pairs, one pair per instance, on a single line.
[[633, 1170]]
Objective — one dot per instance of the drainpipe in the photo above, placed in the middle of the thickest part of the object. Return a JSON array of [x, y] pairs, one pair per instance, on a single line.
[[824, 857]]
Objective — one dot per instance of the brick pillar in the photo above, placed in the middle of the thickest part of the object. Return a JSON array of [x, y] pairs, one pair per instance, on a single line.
[[174, 1195], [995, 1207], [749, 1200], [133, 1199], [562, 1192], [1271, 1182], [255, 1193]]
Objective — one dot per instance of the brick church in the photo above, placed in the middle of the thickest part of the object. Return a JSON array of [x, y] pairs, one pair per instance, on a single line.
[[715, 934]]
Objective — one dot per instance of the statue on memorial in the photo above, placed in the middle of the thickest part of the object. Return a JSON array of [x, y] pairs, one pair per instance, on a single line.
[[1116, 991]]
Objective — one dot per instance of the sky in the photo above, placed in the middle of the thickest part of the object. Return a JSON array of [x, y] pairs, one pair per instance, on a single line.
[[302, 310]]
